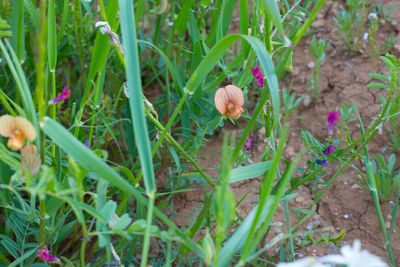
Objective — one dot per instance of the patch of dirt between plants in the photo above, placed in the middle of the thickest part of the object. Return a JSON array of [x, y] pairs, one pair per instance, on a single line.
[[345, 205]]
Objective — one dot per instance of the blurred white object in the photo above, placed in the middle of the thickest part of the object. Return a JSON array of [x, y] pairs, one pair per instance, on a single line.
[[353, 256], [372, 16], [306, 262]]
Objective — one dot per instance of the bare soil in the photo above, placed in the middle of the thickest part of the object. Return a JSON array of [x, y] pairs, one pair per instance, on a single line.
[[345, 205]]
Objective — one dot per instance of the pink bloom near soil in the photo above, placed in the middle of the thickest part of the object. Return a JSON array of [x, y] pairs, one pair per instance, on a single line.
[[332, 117]]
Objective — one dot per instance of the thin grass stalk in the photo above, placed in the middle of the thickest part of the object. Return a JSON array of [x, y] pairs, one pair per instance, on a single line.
[[394, 214], [288, 227], [179, 147], [283, 183], [297, 37], [374, 194], [64, 19], [265, 192]]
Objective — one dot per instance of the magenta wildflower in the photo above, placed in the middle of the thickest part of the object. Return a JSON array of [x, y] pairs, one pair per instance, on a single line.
[[86, 143], [45, 255], [64, 95], [329, 150], [258, 75], [332, 117]]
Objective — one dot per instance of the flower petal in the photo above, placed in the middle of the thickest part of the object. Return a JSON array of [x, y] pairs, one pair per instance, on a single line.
[[221, 100], [7, 126], [26, 127]]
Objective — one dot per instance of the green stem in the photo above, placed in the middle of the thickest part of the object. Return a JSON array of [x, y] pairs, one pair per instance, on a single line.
[[350, 160], [179, 147], [147, 234], [84, 243], [166, 128], [286, 206], [42, 227]]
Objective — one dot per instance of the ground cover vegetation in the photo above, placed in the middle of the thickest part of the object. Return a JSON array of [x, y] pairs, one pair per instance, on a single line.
[[107, 109]]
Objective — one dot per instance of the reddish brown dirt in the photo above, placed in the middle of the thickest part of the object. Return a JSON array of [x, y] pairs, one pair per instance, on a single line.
[[345, 205]]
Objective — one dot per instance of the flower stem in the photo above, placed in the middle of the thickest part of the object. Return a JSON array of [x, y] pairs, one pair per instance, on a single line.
[[42, 226]]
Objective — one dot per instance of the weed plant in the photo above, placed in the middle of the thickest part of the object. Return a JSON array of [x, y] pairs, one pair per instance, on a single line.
[[99, 99], [317, 51]]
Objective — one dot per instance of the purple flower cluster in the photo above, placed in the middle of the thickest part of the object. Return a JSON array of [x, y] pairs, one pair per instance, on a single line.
[[331, 118], [258, 75], [329, 150], [247, 145]]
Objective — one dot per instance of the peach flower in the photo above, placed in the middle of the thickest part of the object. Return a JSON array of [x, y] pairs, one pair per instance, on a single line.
[[17, 129], [229, 101]]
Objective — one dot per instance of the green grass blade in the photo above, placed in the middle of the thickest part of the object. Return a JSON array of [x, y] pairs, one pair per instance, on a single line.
[[248, 172], [272, 11], [128, 29], [244, 23], [33, 13], [17, 29], [236, 241], [22, 84]]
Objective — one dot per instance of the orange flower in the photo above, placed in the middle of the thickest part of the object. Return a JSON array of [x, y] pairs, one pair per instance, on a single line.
[[229, 101], [17, 129]]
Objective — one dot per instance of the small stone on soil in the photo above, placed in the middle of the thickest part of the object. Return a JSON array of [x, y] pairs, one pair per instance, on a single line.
[[307, 100]]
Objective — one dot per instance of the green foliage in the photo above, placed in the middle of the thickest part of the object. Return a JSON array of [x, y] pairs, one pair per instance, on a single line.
[[317, 51], [142, 90], [387, 177]]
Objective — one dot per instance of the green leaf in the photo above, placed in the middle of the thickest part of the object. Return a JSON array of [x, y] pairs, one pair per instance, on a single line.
[[271, 10], [128, 30], [248, 172], [26, 255], [123, 222], [379, 77], [377, 85]]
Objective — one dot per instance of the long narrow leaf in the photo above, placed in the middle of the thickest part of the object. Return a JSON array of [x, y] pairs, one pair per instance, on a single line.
[[128, 29]]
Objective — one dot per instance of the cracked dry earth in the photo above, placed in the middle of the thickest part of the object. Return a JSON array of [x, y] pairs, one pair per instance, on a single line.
[[345, 205]]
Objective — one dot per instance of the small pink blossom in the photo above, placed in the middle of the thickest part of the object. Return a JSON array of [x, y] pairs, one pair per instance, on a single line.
[[258, 75], [64, 95], [45, 255], [332, 117]]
